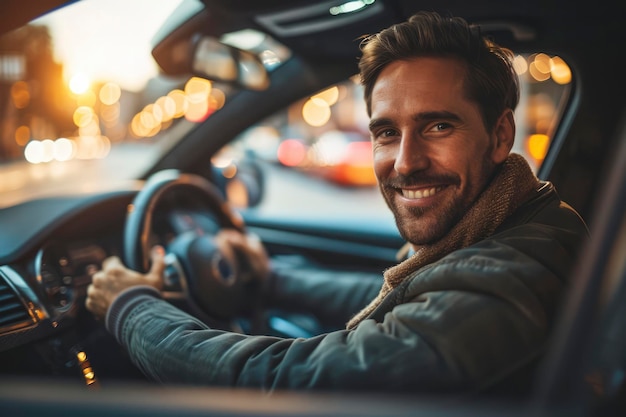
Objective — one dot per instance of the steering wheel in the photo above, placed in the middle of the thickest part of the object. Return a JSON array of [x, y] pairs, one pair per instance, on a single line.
[[197, 270]]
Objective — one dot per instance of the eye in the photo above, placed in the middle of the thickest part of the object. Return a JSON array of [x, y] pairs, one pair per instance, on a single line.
[[385, 133], [439, 127]]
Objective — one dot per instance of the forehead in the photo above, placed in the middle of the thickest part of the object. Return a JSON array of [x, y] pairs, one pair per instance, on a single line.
[[423, 81]]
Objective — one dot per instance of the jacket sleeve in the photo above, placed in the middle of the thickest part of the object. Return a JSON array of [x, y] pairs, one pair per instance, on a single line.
[[333, 296], [440, 339]]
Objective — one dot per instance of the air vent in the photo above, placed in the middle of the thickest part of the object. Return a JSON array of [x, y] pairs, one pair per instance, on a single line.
[[13, 313]]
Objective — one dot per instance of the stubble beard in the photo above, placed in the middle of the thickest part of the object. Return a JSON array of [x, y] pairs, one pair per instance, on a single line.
[[427, 225]]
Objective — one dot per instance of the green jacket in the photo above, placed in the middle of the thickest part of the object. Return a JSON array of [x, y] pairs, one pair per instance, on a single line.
[[476, 320]]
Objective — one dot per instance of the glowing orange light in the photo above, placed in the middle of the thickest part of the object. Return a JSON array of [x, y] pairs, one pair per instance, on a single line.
[[20, 93], [358, 168], [537, 145], [536, 73], [542, 63], [561, 73], [22, 135]]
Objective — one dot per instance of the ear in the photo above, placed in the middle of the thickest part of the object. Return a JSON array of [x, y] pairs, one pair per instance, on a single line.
[[504, 135]]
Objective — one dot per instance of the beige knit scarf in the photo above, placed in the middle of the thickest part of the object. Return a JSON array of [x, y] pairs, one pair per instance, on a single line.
[[514, 184]]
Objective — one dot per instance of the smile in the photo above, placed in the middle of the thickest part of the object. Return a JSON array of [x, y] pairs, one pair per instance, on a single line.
[[423, 193]]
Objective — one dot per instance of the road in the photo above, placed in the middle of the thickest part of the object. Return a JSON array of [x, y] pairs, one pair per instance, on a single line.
[[288, 193], [20, 181]]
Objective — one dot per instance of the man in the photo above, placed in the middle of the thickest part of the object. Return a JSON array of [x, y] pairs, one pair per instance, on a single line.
[[491, 247]]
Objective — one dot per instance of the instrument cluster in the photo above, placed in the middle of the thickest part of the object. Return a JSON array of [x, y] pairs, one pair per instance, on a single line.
[[63, 272]]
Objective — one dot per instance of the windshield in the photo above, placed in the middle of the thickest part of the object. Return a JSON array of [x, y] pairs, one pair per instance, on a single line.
[[82, 101], [83, 105]]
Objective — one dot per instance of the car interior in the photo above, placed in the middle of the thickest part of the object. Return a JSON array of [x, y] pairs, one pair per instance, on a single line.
[[278, 146]]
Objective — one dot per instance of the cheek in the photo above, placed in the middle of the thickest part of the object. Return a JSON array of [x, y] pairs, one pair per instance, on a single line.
[[383, 160]]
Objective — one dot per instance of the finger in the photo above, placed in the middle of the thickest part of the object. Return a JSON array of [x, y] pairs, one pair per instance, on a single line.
[[97, 279], [239, 242], [158, 261], [92, 305], [254, 241], [89, 304], [229, 236], [111, 261]]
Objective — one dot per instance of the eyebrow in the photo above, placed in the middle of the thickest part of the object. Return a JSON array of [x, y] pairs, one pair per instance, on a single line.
[[423, 116]]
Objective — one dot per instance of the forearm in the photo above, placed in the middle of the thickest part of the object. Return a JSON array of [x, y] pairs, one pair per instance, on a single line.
[[332, 296], [166, 343]]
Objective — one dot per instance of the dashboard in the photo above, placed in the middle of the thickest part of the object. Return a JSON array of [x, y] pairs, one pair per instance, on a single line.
[[49, 250]]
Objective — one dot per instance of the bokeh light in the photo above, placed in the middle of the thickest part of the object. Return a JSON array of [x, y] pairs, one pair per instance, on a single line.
[[316, 112], [537, 145], [79, 83], [180, 102], [34, 152], [22, 135], [167, 105], [63, 149], [83, 115], [20, 93], [520, 65], [291, 152], [561, 73], [330, 95], [110, 93]]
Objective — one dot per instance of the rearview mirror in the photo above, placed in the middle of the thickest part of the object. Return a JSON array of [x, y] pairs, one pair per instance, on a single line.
[[216, 60], [209, 58]]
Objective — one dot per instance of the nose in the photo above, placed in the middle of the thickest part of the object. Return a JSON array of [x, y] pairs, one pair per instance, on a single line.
[[411, 156]]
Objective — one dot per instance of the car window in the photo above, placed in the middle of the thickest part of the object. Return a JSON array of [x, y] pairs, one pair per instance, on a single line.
[[317, 154], [82, 100]]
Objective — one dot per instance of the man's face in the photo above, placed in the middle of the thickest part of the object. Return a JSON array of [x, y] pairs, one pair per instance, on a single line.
[[432, 153]]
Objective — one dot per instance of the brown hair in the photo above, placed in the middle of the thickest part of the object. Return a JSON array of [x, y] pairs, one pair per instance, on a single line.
[[490, 79]]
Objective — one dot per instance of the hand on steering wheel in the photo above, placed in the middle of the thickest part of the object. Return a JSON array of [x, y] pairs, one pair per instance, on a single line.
[[114, 278], [255, 265], [213, 272]]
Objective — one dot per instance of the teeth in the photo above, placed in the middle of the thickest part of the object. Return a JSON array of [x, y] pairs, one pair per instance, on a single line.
[[415, 194]]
